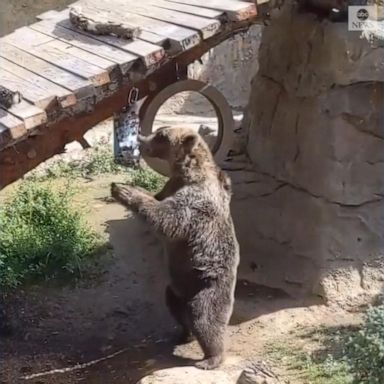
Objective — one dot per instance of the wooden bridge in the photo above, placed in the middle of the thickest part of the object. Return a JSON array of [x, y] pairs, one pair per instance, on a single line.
[[70, 79]]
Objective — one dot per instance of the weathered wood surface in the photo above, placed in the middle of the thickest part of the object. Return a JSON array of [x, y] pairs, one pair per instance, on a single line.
[[31, 115], [186, 38], [86, 19], [80, 87], [108, 52], [61, 55], [70, 79], [162, 17], [29, 80], [149, 46], [234, 10], [62, 19], [10, 126]]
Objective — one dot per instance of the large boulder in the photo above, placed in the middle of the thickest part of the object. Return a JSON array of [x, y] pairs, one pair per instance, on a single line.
[[190, 375], [309, 207], [240, 372]]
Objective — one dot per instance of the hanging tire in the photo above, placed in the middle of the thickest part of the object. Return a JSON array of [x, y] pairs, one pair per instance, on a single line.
[[151, 105]]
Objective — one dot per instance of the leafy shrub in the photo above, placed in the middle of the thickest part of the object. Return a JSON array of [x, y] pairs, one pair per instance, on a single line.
[[41, 236], [101, 161], [317, 367], [147, 179], [62, 169], [365, 349]]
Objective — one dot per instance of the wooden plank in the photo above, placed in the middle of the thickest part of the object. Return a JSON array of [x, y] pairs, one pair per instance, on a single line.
[[31, 115], [207, 27], [152, 38], [65, 97], [62, 19], [98, 61], [124, 59], [81, 18], [49, 49], [29, 91], [150, 54], [184, 37], [11, 128], [166, 4], [80, 87], [148, 48], [185, 8], [235, 10]]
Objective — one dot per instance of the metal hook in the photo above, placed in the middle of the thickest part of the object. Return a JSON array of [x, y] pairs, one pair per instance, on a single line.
[[133, 96]]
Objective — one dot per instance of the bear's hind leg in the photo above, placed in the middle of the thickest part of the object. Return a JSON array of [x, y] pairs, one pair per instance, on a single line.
[[210, 336], [211, 341], [177, 308], [210, 312]]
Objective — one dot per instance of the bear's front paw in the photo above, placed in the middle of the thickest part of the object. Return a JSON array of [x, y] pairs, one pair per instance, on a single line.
[[122, 193]]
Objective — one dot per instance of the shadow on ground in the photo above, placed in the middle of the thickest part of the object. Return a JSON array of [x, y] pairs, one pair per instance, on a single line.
[[123, 310]]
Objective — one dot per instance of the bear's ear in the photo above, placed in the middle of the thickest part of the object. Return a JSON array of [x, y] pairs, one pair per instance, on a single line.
[[225, 181], [189, 142]]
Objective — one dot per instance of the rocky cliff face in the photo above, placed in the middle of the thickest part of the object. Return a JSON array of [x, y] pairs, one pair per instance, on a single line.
[[309, 205]]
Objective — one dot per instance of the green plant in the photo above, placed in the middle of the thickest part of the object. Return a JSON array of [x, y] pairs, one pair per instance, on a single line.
[[365, 348], [101, 161], [62, 169], [56, 170], [147, 179], [41, 236], [323, 367]]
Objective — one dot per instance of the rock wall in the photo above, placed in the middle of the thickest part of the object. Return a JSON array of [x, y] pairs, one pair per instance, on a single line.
[[309, 204]]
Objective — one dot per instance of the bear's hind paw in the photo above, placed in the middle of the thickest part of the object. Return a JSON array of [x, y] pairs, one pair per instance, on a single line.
[[210, 363]]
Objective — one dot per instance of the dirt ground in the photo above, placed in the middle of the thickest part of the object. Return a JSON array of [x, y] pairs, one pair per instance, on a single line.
[[120, 315], [17, 13]]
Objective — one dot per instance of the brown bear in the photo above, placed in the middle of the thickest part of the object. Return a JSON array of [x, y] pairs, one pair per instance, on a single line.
[[192, 215]]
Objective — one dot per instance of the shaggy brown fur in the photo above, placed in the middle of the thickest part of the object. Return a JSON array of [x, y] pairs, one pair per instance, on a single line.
[[192, 215]]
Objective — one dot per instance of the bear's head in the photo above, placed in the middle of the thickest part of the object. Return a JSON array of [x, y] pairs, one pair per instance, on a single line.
[[174, 144], [187, 154]]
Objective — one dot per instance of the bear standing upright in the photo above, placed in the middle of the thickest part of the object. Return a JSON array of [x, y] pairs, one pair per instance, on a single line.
[[192, 215]]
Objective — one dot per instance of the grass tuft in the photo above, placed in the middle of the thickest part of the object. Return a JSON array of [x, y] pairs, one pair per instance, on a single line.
[[42, 236], [147, 179]]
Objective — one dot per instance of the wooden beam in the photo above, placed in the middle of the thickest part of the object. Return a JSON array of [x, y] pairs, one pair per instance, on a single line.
[[31, 115], [10, 127]]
